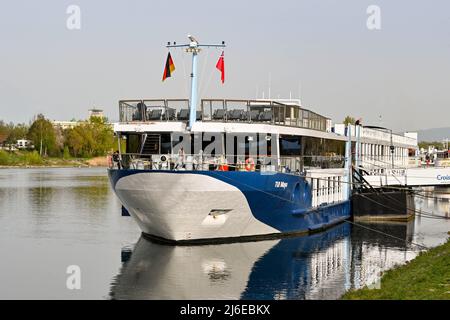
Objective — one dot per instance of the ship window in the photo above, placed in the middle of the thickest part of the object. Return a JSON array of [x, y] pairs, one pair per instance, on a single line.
[[240, 146], [133, 143], [247, 144], [165, 143], [324, 153], [290, 146]]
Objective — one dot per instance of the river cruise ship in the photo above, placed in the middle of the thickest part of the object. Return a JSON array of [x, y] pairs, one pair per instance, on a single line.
[[244, 169], [224, 169]]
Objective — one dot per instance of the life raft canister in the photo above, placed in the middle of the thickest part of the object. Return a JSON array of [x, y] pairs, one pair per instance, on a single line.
[[250, 164]]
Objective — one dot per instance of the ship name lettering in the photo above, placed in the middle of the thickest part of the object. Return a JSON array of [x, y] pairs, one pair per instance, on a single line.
[[281, 184]]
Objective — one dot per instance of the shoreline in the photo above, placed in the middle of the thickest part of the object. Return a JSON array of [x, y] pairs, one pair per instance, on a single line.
[[23, 162], [426, 277], [51, 166]]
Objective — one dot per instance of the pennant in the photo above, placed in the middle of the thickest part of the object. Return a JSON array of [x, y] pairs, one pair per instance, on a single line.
[[221, 66], [170, 67]]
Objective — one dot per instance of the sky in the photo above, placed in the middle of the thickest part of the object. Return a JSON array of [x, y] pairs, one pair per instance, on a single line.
[[322, 51]]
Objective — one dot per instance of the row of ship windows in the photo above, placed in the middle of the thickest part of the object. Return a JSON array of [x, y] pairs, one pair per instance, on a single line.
[[368, 149]]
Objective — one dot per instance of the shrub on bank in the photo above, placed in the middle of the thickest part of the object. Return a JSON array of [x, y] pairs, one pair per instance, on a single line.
[[5, 158], [20, 158], [32, 158]]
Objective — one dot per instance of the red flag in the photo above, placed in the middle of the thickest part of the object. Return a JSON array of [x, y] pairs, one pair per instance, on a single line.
[[221, 66]]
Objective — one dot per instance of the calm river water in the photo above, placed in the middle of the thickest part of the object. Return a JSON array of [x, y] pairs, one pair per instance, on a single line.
[[54, 218]]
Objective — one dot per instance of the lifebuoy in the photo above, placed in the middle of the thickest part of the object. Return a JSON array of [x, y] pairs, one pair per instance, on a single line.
[[250, 164], [223, 167]]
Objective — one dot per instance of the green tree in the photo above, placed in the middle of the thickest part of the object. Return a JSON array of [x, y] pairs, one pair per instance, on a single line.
[[74, 139], [426, 144], [349, 120], [66, 152], [43, 135], [90, 138], [17, 132], [10, 133], [3, 127], [4, 132]]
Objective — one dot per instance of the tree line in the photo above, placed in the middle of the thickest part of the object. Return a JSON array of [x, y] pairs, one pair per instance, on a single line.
[[90, 138], [437, 144]]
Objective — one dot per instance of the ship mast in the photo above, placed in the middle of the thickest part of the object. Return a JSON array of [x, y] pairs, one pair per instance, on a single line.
[[194, 47]]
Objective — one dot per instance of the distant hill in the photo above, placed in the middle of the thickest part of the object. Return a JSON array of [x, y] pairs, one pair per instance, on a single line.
[[434, 134]]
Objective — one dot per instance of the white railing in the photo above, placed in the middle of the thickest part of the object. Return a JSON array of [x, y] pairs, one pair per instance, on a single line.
[[327, 189]]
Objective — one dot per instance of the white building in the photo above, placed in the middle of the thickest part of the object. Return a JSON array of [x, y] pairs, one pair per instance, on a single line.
[[96, 113], [24, 144], [65, 124], [71, 124]]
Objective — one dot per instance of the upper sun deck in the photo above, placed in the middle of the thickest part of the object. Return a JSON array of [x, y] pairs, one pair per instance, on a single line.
[[275, 112]]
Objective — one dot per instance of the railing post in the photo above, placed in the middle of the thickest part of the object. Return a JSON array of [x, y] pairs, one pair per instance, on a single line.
[[273, 112], [226, 110], [143, 111]]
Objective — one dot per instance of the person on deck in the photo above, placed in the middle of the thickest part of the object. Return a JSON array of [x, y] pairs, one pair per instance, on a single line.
[[116, 159], [180, 160]]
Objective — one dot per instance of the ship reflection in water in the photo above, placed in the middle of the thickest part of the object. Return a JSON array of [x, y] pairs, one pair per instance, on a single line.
[[319, 266]]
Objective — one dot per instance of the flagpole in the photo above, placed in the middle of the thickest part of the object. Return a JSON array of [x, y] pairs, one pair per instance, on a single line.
[[194, 48], [194, 81]]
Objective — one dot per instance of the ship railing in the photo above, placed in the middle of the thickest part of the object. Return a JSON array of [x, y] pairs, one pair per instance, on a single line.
[[415, 162], [195, 162], [223, 110], [261, 111], [154, 110], [327, 189], [241, 162], [420, 162], [304, 163]]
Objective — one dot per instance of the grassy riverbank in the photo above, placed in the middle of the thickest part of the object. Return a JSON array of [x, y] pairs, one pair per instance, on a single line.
[[33, 159], [427, 277]]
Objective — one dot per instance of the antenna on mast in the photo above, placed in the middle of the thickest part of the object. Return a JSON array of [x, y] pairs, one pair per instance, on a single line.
[[194, 47]]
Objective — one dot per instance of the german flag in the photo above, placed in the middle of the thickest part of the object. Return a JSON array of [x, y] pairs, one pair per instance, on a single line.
[[170, 67]]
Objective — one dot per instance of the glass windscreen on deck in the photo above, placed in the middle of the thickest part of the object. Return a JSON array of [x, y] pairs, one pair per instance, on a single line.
[[244, 111], [301, 152]]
